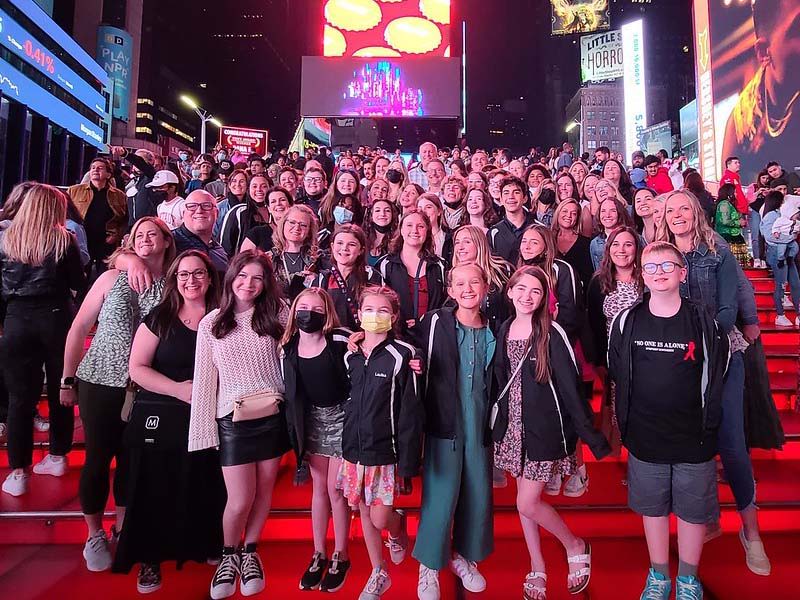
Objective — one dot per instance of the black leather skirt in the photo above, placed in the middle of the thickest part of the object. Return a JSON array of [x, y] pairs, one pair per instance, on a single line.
[[247, 442]]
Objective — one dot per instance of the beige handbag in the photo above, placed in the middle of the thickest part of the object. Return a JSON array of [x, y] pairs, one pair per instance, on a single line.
[[257, 406]]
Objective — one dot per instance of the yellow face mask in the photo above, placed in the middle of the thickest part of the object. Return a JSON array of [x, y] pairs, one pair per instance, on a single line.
[[376, 323]]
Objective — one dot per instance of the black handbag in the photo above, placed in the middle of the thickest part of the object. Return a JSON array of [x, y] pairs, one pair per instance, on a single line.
[[158, 422]]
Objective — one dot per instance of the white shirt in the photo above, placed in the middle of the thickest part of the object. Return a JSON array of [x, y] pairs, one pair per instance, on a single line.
[[171, 212]]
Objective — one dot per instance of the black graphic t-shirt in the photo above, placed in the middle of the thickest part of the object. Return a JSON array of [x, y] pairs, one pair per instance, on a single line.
[[665, 420]]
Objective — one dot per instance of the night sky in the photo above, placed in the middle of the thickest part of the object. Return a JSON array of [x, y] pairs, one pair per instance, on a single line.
[[255, 81]]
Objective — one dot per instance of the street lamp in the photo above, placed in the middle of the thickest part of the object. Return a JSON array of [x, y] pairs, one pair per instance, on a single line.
[[205, 117], [572, 125]]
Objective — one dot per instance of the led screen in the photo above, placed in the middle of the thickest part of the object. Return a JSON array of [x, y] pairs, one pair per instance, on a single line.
[[601, 56], [387, 28], [579, 16], [634, 85], [385, 87], [748, 84]]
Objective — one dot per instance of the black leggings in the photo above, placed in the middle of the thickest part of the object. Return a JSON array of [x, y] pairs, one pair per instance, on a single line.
[[101, 406], [35, 336]]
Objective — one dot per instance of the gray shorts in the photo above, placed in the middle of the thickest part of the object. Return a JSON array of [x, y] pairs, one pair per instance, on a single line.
[[687, 490]]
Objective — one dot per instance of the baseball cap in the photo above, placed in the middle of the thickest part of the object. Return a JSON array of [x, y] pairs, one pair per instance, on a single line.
[[225, 167], [162, 178], [637, 177]]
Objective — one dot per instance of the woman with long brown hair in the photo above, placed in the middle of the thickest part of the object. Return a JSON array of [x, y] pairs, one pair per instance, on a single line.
[[380, 226], [538, 417], [295, 252], [176, 498], [98, 382], [41, 268], [348, 274], [237, 404]]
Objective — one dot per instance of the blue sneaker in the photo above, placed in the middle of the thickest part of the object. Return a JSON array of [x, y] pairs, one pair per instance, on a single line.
[[688, 588], [657, 587]]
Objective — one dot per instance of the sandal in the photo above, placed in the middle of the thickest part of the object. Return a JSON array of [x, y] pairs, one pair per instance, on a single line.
[[585, 558], [534, 592]]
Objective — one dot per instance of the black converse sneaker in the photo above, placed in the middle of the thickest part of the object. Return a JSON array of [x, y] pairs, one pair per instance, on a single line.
[[337, 573], [313, 575], [252, 581], [149, 578], [223, 585]]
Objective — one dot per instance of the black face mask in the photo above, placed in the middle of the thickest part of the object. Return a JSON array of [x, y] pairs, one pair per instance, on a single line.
[[394, 176], [309, 321], [547, 197], [159, 196], [384, 229], [536, 261], [454, 205]]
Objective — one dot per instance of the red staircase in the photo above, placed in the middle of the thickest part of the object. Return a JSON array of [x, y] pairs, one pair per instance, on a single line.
[[50, 514]]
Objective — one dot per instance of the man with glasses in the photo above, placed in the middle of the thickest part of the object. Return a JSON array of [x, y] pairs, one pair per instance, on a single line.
[[313, 188], [668, 357]]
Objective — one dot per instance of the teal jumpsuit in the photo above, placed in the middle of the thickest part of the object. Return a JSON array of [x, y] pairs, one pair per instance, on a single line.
[[457, 474]]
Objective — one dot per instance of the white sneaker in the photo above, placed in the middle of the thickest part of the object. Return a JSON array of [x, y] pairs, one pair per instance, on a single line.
[[577, 484], [3, 431], [16, 484], [51, 465], [398, 546], [428, 584], [468, 573], [96, 553], [782, 321], [553, 487], [378, 582], [787, 303], [40, 423], [252, 574], [223, 585]]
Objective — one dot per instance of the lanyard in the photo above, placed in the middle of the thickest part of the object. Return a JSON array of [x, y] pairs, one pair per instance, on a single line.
[[416, 290], [351, 305]]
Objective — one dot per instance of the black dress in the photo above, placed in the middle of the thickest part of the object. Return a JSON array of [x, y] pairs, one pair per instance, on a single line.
[[175, 498]]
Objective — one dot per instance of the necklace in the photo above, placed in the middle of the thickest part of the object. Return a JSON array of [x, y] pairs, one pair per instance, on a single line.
[[293, 260]]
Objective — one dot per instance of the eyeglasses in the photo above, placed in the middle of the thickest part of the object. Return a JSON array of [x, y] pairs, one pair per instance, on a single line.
[[314, 180], [198, 275], [666, 266], [204, 206], [298, 224]]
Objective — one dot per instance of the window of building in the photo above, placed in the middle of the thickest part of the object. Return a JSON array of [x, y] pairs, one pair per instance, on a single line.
[[614, 145], [603, 115], [614, 117], [591, 130], [590, 115], [591, 145], [603, 130]]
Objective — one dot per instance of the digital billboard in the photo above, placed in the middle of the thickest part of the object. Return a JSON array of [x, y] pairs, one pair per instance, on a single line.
[[634, 85], [244, 140], [656, 137], [601, 56], [748, 84], [579, 16], [688, 120], [387, 28], [380, 87], [115, 53]]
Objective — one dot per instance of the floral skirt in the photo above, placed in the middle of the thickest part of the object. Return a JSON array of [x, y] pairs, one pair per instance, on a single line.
[[507, 459], [373, 486]]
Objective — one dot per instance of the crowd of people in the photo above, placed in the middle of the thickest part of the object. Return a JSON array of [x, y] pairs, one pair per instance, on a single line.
[[448, 318]]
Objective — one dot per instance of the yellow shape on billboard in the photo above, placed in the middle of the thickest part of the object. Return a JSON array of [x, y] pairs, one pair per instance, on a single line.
[[376, 51], [412, 35], [436, 10], [353, 15], [334, 42]]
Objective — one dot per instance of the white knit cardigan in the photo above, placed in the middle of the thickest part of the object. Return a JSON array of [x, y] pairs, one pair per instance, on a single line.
[[225, 369]]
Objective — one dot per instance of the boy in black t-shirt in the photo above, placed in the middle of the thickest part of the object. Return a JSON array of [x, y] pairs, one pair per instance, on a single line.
[[668, 359]]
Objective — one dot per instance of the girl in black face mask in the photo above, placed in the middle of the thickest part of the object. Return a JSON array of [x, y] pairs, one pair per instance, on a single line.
[[312, 361]]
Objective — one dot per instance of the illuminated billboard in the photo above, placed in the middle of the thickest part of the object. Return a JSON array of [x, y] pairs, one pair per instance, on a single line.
[[748, 84], [634, 85], [601, 56], [247, 141], [380, 87], [387, 28], [579, 16]]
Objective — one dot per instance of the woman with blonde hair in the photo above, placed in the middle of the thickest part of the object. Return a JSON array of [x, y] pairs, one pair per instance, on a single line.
[[572, 246], [98, 382], [397, 176], [41, 268], [295, 254]]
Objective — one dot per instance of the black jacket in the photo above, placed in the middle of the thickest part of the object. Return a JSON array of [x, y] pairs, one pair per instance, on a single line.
[[435, 335], [51, 282], [504, 238], [383, 418], [554, 414], [344, 310], [142, 204], [237, 222], [396, 276], [716, 354], [295, 406], [569, 297]]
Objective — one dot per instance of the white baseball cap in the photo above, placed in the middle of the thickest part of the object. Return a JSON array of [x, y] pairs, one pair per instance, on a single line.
[[162, 178]]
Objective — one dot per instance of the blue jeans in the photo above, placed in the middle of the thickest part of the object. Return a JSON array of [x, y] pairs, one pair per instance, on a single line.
[[781, 274], [754, 225], [732, 444]]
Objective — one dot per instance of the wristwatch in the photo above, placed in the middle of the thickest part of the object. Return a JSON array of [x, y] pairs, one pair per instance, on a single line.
[[67, 383]]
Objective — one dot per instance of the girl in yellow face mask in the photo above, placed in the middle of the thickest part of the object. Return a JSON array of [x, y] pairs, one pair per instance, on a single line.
[[381, 440]]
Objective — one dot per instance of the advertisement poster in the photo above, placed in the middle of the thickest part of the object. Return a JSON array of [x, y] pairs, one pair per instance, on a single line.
[[115, 53], [394, 28], [247, 141], [634, 85], [601, 56], [579, 16], [748, 84], [656, 137]]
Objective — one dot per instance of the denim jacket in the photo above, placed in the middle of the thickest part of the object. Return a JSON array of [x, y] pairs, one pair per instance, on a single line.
[[713, 282], [748, 313], [596, 248]]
